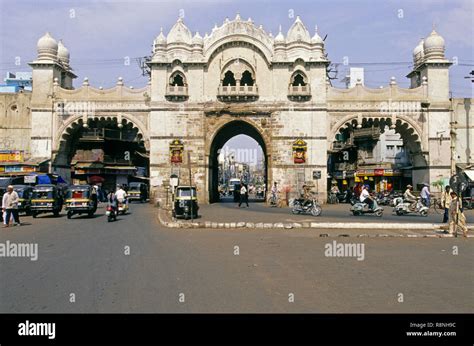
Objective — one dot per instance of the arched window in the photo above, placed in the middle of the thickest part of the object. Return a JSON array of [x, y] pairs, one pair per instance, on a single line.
[[177, 79], [298, 79], [246, 78], [229, 79]]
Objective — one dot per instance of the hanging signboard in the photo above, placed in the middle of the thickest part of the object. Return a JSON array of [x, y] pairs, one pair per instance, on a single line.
[[176, 151], [299, 151], [11, 156]]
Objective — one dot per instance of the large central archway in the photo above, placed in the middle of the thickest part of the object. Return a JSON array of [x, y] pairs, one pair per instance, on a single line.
[[224, 134], [102, 150]]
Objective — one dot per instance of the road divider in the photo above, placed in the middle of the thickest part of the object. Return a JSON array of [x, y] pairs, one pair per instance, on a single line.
[[165, 219]]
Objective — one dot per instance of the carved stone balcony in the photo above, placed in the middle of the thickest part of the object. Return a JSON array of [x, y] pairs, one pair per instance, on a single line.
[[176, 93], [299, 92], [237, 93]]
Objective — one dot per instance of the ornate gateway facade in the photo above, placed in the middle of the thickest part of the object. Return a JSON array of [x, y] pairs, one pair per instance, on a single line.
[[239, 79]]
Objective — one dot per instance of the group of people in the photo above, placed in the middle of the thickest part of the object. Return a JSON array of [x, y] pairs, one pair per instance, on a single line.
[[119, 196]]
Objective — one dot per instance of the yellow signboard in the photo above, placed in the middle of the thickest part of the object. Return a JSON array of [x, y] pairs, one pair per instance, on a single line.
[[11, 155]]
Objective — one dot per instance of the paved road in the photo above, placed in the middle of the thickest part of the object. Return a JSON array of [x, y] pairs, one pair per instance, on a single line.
[[86, 257], [228, 211]]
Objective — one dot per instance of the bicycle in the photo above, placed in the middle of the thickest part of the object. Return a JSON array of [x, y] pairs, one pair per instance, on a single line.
[[273, 200], [437, 206]]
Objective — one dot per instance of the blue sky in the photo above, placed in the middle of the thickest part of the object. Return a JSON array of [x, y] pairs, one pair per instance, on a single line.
[[100, 34]]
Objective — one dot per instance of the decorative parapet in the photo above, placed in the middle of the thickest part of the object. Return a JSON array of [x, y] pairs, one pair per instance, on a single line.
[[299, 92], [238, 93], [392, 92], [117, 93], [176, 93]]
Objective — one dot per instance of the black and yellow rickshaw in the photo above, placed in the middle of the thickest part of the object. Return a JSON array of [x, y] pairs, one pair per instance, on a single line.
[[137, 192], [24, 202], [46, 198], [185, 203], [80, 199]]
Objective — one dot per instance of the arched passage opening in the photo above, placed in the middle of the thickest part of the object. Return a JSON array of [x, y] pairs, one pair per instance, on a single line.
[[104, 150], [232, 160], [382, 152]]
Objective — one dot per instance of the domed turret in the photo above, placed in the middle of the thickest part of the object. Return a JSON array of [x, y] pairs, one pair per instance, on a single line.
[[179, 33], [316, 39], [47, 48], [279, 39], [418, 53], [434, 46], [298, 32], [160, 39], [63, 54], [197, 39]]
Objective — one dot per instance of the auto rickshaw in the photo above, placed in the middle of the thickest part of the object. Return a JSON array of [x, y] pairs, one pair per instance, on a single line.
[[46, 198], [81, 199], [185, 204], [24, 202], [137, 192]]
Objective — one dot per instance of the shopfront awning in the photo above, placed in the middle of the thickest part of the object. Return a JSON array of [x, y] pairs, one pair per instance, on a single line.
[[92, 165], [470, 174]]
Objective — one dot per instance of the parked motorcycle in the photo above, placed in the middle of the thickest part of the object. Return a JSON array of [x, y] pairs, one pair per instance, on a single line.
[[360, 208], [111, 213], [403, 207], [311, 206]]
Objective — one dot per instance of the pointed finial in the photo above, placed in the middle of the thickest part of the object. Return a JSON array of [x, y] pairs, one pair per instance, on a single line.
[[279, 28], [237, 17]]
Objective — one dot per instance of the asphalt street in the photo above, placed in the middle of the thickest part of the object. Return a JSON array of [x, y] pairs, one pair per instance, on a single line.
[[83, 266], [228, 211]]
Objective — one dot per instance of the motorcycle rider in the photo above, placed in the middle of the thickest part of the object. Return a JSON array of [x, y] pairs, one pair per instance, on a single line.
[[306, 196], [425, 195], [409, 197], [112, 200], [365, 197], [121, 195]]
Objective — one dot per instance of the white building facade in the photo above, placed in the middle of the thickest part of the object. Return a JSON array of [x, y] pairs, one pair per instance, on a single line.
[[239, 79]]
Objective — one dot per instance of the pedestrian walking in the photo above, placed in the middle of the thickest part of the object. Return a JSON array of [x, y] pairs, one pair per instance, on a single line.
[[4, 212], [445, 202], [456, 215], [10, 206], [244, 196]]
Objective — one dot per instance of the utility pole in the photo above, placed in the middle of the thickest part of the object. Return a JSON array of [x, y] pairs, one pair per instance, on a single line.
[[452, 136]]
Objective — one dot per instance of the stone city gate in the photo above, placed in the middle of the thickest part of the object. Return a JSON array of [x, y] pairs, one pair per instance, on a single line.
[[239, 79]]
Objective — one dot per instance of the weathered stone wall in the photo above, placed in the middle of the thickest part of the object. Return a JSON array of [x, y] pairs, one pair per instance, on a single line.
[[464, 128], [15, 121]]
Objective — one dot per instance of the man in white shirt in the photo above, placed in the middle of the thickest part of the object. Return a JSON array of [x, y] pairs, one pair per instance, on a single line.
[[425, 195], [10, 206], [365, 196], [120, 194]]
